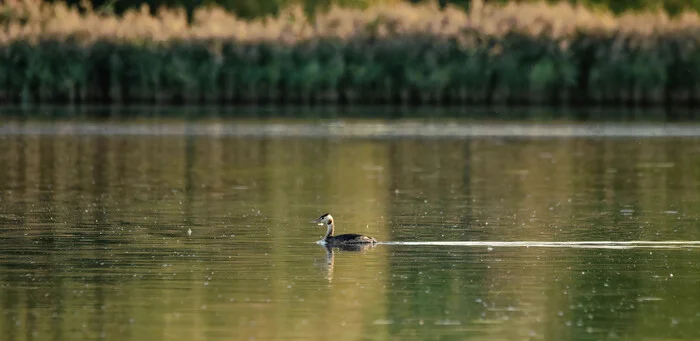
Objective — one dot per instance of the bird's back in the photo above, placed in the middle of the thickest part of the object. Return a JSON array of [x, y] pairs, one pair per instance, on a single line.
[[352, 238]]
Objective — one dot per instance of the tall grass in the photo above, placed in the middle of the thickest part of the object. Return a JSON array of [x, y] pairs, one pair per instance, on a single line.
[[518, 53]]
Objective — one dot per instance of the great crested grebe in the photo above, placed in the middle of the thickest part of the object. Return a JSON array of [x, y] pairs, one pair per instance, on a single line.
[[343, 239]]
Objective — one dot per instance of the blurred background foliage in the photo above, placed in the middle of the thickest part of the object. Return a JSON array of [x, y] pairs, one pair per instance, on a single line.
[[391, 52], [257, 8]]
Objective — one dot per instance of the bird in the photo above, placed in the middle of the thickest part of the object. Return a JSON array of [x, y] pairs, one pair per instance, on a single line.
[[343, 239]]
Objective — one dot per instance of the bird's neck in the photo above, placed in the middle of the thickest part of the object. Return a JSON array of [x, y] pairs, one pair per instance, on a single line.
[[329, 232]]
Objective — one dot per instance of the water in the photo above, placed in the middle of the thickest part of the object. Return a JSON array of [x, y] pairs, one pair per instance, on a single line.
[[153, 229]]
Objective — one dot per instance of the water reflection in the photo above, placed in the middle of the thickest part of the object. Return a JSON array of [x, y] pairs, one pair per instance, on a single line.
[[95, 239], [331, 251]]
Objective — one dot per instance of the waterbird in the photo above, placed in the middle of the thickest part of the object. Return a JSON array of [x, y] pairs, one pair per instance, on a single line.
[[343, 239]]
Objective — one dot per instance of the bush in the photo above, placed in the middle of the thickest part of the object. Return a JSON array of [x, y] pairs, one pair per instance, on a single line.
[[520, 53]]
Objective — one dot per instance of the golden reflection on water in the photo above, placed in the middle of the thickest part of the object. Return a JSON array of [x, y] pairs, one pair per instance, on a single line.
[[95, 241]]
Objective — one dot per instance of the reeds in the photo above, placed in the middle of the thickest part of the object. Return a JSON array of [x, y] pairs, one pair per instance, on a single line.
[[518, 53]]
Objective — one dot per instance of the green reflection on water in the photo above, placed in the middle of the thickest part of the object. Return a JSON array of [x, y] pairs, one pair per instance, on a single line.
[[95, 243]]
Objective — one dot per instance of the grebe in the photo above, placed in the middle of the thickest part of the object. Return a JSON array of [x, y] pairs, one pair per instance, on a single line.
[[343, 239]]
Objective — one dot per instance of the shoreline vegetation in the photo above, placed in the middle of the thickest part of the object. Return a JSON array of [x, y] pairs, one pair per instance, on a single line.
[[516, 54]]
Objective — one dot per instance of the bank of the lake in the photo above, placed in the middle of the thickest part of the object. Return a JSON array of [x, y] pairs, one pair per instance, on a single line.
[[490, 55], [340, 113]]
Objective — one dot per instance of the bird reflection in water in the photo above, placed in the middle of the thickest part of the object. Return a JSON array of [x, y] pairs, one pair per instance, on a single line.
[[331, 251]]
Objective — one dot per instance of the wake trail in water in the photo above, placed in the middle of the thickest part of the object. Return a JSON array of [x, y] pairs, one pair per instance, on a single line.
[[579, 244]]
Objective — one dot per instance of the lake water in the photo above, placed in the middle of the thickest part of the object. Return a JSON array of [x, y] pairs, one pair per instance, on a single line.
[[177, 229]]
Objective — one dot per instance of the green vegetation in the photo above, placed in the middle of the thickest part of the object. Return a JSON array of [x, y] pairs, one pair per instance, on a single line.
[[520, 53]]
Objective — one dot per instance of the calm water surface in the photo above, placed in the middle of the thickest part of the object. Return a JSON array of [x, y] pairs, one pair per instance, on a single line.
[[94, 222]]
